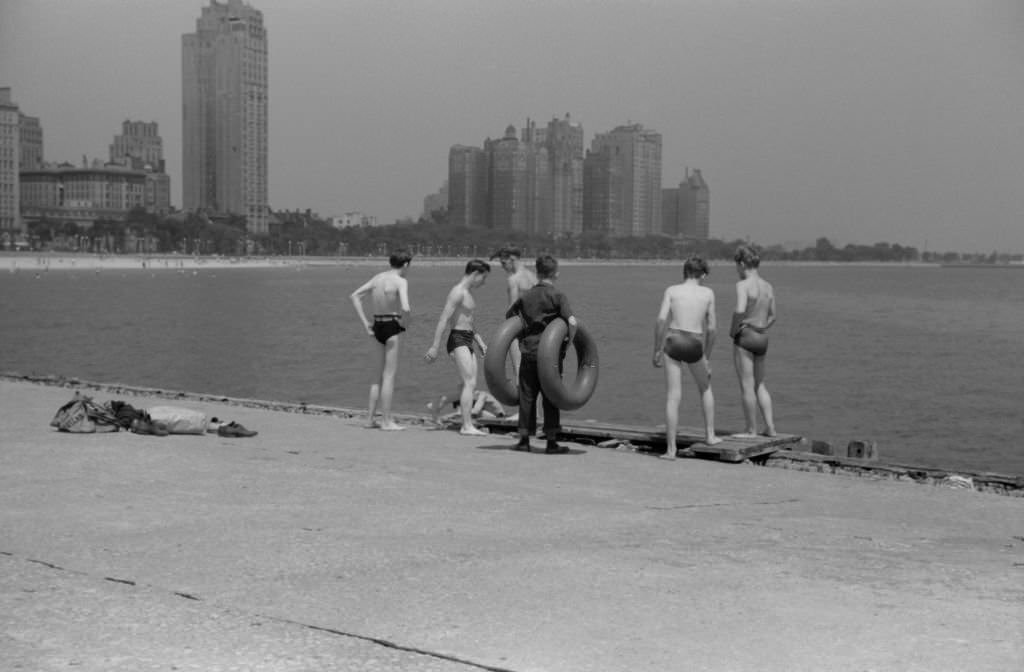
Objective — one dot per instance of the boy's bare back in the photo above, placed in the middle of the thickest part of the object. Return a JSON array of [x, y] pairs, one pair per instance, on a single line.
[[386, 292], [690, 307]]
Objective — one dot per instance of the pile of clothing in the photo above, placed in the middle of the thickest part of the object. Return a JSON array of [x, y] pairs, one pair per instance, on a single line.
[[82, 415]]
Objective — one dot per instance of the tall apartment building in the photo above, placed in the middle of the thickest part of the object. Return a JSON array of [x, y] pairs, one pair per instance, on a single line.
[[224, 113], [563, 203], [509, 187], [467, 186], [140, 147], [686, 210], [31, 142], [10, 150], [626, 162]]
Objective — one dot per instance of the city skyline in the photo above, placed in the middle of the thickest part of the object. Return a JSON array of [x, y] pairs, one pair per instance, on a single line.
[[854, 121]]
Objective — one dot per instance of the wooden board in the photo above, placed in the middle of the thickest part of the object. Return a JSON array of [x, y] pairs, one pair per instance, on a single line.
[[689, 439]]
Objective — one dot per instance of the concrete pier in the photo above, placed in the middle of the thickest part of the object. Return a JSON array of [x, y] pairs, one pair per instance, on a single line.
[[320, 545]]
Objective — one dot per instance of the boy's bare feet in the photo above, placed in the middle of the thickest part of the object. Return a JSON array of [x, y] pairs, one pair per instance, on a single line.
[[669, 454], [712, 440], [391, 427], [473, 431], [746, 435]]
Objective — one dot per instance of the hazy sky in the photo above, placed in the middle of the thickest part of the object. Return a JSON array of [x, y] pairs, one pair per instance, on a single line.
[[860, 120]]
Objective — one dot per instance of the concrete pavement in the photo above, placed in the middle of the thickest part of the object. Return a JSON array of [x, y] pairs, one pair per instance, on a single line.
[[320, 545]]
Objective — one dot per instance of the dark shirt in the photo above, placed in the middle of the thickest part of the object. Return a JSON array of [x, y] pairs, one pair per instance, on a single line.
[[538, 306]]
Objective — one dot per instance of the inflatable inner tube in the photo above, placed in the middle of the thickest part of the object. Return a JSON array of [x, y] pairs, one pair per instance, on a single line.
[[566, 395], [683, 346], [504, 390], [753, 341]]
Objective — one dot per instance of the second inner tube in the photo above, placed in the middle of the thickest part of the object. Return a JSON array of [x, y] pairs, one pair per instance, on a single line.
[[567, 397], [504, 390]]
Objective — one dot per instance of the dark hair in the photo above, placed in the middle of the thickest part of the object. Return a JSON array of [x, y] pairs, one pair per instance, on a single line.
[[695, 267], [399, 258], [477, 266], [507, 252], [547, 266], [748, 256]]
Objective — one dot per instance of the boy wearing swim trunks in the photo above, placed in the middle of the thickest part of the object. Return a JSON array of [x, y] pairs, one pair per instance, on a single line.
[[538, 306], [754, 315], [457, 316], [685, 331], [389, 295]]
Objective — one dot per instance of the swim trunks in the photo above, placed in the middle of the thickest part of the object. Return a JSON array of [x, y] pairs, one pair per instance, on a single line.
[[683, 346], [458, 338], [386, 326], [752, 339]]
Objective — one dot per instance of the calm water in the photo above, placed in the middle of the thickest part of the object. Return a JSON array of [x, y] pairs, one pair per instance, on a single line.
[[926, 361]]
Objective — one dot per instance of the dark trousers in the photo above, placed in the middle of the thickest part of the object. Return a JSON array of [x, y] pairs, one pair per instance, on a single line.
[[529, 388]]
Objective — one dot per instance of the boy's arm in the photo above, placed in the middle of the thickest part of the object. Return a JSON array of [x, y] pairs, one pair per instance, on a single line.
[[513, 289], [741, 309], [771, 312], [515, 309], [480, 342], [565, 310], [403, 299], [442, 322], [357, 302], [660, 325], [711, 326]]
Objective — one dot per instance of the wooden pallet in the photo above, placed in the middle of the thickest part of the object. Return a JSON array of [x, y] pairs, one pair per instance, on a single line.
[[690, 440]]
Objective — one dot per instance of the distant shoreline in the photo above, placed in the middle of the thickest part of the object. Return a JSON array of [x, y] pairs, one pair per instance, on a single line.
[[70, 261]]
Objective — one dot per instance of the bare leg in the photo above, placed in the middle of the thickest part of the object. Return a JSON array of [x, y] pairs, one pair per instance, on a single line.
[[673, 395], [744, 362], [371, 421], [465, 362], [707, 399], [387, 383], [764, 400], [435, 408], [515, 356]]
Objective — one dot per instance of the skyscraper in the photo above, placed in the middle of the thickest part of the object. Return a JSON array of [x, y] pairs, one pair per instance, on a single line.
[[467, 186], [224, 113], [564, 142], [10, 150], [140, 147], [31, 142], [631, 155]]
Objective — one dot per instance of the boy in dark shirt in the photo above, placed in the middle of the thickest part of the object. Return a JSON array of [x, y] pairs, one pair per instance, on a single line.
[[537, 307]]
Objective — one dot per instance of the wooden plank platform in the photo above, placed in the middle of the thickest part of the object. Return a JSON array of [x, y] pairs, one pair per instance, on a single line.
[[690, 440]]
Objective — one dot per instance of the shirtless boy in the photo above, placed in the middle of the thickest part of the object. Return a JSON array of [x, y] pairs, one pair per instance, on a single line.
[[457, 316], [754, 315], [389, 294], [520, 280], [685, 331]]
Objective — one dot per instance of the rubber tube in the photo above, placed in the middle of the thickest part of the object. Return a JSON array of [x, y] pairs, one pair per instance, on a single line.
[[504, 390], [567, 397]]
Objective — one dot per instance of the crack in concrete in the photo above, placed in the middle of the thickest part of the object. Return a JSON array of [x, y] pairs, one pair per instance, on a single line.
[[718, 504], [278, 619]]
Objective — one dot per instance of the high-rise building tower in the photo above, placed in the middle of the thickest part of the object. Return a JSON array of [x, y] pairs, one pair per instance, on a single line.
[[224, 113], [467, 186], [31, 142], [508, 182], [140, 147], [694, 206], [564, 142], [632, 154], [10, 151]]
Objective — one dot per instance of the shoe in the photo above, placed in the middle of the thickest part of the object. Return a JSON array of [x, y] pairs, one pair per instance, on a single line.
[[213, 425], [233, 429], [522, 446], [555, 449]]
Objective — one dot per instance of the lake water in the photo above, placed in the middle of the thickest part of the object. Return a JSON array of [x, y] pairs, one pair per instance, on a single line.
[[924, 360]]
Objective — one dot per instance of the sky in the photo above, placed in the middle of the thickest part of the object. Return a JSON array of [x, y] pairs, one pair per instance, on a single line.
[[858, 120]]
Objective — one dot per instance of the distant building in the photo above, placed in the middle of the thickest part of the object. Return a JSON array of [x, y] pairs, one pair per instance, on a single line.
[[467, 186], [436, 201], [510, 189], [350, 219], [82, 194], [686, 210], [632, 200], [10, 150], [31, 142], [563, 177], [140, 147], [224, 113]]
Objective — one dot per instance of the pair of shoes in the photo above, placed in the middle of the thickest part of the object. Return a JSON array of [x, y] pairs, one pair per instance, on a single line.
[[233, 429], [213, 425], [522, 446], [555, 449]]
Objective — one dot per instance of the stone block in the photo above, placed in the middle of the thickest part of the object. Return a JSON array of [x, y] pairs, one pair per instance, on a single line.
[[822, 448], [862, 450]]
